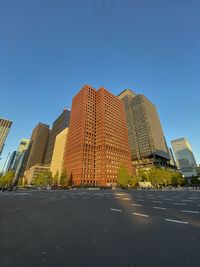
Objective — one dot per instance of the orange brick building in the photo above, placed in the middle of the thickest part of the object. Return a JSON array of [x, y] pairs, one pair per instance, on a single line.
[[97, 139]]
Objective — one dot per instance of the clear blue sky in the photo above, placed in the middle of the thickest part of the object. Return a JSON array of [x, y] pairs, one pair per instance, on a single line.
[[50, 48]]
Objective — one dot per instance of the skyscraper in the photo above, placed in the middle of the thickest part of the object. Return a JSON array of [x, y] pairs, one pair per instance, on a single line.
[[4, 130], [59, 124], [19, 157], [146, 137], [59, 152], [38, 145], [184, 156], [9, 165], [23, 145], [97, 140]]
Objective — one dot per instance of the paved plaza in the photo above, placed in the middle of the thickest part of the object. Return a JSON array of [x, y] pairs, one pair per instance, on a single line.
[[100, 228]]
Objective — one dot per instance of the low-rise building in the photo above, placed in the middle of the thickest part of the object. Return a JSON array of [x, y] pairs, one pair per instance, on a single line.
[[33, 172]]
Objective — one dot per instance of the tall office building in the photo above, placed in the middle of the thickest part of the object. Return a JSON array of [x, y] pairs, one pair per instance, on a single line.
[[146, 137], [185, 157], [4, 130], [37, 146], [23, 145], [97, 140], [19, 157], [9, 166], [59, 124], [59, 152]]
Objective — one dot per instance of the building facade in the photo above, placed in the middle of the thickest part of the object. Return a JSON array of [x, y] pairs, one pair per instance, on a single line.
[[59, 152], [37, 146], [59, 124], [184, 157], [32, 173], [11, 160], [146, 138], [5, 126], [97, 140]]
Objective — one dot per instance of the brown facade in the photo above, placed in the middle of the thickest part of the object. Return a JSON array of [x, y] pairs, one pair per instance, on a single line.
[[37, 146], [97, 139]]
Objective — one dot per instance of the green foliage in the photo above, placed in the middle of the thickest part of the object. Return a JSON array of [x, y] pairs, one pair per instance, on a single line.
[[43, 179], [6, 180], [123, 177], [158, 176], [64, 179], [55, 179]]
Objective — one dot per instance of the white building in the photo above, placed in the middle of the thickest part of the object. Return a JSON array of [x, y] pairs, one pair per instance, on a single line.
[[184, 157]]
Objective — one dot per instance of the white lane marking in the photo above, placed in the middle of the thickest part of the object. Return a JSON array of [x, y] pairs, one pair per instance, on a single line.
[[193, 198], [117, 197], [156, 201], [137, 205], [126, 198], [186, 200], [170, 220], [180, 204], [116, 210], [140, 214], [159, 208], [190, 211]]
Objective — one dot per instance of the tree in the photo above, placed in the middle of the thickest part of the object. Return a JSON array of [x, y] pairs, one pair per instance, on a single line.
[[55, 178], [64, 179], [6, 180], [43, 179], [123, 177]]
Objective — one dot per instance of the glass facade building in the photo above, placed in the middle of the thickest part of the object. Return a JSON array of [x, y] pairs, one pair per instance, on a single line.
[[146, 138]]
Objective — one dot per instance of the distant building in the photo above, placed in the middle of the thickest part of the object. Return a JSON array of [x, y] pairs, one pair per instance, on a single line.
[[59, 124], [172, 159], [9, 166], [184, 157], [34, 171], [37, 146], [97, 140], [23, 145], [59, 152], [4, 130], [20, 154], [146, 138]]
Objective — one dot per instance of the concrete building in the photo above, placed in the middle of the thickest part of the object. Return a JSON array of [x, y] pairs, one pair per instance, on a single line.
[[33, 172], [59, 152], [146, 138], [37, 146], [4, 130], [59, 124], [184, 157], [97, 140]]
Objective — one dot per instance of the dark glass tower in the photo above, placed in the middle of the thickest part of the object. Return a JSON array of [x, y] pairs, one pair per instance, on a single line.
[[59, 124]]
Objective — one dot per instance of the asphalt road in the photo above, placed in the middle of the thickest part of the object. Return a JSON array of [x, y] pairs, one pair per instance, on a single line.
[[99, 228]]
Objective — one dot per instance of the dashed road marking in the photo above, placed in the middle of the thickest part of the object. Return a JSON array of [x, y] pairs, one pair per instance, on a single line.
[[180, 204], [140, 214], [175, 221], [115, 210], [126, 198], [137, 205], [159, 208], [190, 211]]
